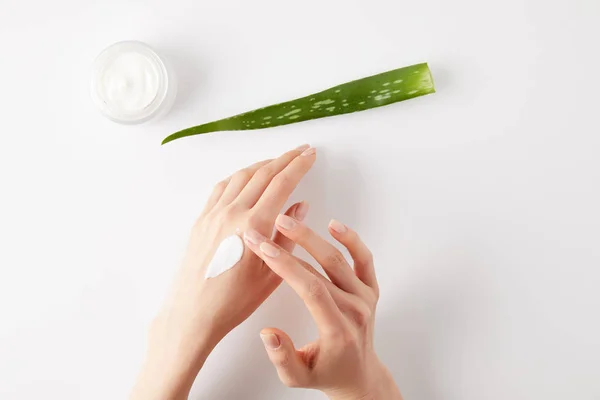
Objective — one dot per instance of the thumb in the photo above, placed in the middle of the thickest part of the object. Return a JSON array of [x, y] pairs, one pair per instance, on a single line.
[[280, 348]]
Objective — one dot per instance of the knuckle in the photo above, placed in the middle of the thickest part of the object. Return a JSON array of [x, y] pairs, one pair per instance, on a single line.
[[316, 288], [335, 259], [257, 220], [220, 187], [362, 315], [229, 211], [225, 214], [243, 175], [266, 172], [281, 181], [371, 300], [344, 339], [282, 360], [365, 259], [376, 294]]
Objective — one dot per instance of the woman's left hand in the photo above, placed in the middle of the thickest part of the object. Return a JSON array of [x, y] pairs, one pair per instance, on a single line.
[[200, 312]]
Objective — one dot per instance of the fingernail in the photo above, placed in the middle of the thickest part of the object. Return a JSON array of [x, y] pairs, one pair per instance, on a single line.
[[303, 147], [338, 226], [286, 222], [269, 250], [270, 341], [253, 236], [301, 211], [309, 152]]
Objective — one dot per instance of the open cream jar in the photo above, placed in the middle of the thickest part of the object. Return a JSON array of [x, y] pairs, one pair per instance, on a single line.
[[131, 84]]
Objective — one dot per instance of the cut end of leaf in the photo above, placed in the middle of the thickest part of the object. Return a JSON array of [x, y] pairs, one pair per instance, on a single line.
[[431, 82]]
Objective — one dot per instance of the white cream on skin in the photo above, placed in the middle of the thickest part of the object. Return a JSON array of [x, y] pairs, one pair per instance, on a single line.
[[129, 82], [227, 255]]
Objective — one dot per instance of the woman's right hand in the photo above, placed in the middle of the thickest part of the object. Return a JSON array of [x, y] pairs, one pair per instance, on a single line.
[[342, 362]]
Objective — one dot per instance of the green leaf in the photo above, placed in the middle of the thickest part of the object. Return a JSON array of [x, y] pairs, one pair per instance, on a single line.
[[360, 95]]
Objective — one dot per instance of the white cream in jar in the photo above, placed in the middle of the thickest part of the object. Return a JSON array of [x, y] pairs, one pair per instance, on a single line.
[[132, 84]]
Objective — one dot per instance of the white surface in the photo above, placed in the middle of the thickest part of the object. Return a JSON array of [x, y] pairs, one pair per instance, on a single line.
[[481, 202], [227, 255]]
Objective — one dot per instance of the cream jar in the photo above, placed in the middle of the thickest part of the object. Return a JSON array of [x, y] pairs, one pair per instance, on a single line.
[[132, 84]]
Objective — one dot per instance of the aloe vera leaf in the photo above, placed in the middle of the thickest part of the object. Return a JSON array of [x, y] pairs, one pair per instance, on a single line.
[[360, 95]]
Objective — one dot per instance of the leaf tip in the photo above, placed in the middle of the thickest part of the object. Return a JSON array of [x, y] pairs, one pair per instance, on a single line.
[[167, 140]]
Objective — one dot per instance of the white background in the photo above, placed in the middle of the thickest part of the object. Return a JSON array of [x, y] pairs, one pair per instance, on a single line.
[[481, 202]]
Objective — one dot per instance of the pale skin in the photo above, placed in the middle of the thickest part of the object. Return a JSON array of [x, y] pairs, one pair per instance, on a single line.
[[200, 312]]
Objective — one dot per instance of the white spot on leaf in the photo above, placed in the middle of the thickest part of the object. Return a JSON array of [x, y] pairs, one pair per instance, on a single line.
[[398, 81], [413, 92], [266, 118], [324, 102], [330, 109], [297, 110], [382, 97], [386, 84]]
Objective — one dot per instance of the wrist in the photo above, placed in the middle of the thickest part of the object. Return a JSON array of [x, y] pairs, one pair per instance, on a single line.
[[172, 363], [380, 387]]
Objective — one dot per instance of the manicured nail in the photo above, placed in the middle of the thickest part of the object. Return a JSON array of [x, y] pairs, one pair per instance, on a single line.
[[301, 211], [338, 226], [270, 341], [303, 147], [286, 222], [309, 152], [269, 250], [253, 236]]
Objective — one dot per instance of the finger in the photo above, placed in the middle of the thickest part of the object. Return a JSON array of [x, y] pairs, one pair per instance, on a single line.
[[215, 195], [342, 299], [239, 180], [297, 211], [283, 184], [326, 254], [259, 182], [292, 370], [349, 304], [364, 268], [310, 288]]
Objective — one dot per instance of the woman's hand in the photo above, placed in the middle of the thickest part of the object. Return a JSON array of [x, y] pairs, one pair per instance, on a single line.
[[199, 311], [342, 362]]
